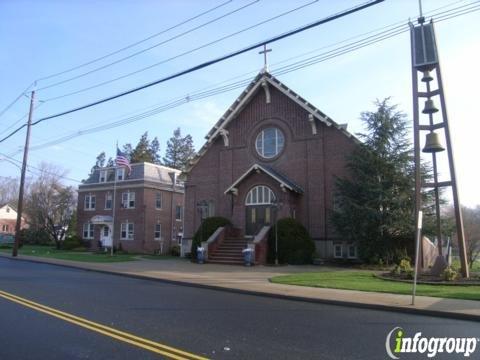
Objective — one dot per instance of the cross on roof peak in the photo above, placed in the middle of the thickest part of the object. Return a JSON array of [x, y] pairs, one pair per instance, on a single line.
[[265, 60]]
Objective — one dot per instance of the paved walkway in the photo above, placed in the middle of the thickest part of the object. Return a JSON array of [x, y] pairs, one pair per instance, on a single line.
[[255, 280]]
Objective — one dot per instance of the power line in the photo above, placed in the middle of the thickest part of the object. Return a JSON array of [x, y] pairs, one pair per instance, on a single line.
[[136, 43], [181, 54], [23, 117], [206, 64], [16, 99], [370, 40], [289, 68], [147, 49], [14, 161], [338, 53]]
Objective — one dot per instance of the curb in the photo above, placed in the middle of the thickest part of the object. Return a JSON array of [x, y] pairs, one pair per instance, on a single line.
[[380, 307]]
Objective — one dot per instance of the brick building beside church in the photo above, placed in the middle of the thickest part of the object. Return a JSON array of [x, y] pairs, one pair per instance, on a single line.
[[146, 215], [271, 151]]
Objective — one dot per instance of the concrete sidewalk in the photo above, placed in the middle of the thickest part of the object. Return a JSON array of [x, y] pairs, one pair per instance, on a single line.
[[255, 280]]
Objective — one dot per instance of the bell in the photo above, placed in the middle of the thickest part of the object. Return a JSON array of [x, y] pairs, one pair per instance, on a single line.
[[429, 107], [426, 76], [432, 143]]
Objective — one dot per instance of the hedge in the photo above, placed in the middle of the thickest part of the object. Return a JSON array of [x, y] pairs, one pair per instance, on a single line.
[[295, 246], [208, 227]]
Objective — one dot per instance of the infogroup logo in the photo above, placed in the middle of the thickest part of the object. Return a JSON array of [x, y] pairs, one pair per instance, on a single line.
[[432, 346]]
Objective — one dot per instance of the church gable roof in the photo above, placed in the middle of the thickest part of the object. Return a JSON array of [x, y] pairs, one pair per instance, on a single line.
[[284, 181], [264, 79]]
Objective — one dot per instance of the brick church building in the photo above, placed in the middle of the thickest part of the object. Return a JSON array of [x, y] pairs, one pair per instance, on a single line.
[[271, 154]]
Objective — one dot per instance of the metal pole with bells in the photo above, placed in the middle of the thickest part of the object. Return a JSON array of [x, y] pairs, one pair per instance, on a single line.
[[425, 60]]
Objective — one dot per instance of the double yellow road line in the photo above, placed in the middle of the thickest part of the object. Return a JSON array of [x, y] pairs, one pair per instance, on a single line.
[[167, 351]]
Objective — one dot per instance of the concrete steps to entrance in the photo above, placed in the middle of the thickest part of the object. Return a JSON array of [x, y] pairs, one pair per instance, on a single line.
[[229, 252]]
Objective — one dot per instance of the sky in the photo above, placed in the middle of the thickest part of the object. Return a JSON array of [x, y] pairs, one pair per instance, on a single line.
[[40, 38]]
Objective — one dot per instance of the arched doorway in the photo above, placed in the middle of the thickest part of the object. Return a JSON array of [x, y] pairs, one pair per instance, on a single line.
[[258, 205]]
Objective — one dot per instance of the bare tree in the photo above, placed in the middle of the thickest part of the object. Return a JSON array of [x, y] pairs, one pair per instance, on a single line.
[[8, 190], [471, 224], [50, 204]]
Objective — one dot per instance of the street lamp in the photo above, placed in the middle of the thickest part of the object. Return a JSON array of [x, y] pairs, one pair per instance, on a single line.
[[276, 206], [202, 207]]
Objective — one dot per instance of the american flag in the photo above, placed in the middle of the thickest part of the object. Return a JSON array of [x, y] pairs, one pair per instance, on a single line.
[[122, 160]]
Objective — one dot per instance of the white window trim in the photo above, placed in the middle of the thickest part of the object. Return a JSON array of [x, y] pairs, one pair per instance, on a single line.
[[261, 135], [161, 201], [89, 231], [106, 199], [122, 172], [89, 207], [348, 251], [103, 176], [130, 197], [126, 225], [335, 251], [265, 191], [155, 232], [181, 213]]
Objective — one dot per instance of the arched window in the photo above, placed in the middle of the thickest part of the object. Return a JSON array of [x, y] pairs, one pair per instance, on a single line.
[[260, 195], [269, 142]]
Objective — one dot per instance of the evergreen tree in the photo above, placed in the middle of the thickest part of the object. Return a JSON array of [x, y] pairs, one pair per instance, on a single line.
[[155, 151], [99, 162], [179, 150], [375, 205], [145, 151], [127, 150]]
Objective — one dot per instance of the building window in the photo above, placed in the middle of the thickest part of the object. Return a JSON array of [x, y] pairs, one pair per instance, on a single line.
[[158, 232], [270, 142], [338, 251], [128, 200], [89, 202], [88, 231], [126, 231], [108, 201], [178, 213], [103, 176], [158, 200], [260, 195], [8, 209], [5, 228], [120, 174], [352, 251]]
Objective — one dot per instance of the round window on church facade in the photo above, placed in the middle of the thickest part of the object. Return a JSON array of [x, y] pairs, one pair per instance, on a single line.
[[270, 142]]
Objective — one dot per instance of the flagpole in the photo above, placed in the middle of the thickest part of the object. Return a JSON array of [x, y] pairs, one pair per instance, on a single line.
[[114, 197]]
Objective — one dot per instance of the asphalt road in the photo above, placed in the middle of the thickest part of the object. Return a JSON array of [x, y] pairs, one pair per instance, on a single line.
[[209, 323]]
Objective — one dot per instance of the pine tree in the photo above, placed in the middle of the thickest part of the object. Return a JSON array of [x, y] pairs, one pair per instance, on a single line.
[[99, 162], [375, 205], [145, 151], [179, 151]]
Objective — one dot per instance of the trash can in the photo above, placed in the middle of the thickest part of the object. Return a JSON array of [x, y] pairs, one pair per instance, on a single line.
[[200, 255], [248, 256]]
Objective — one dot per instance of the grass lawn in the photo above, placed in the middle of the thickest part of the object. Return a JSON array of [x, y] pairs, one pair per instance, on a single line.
[[365, 281], [83, 256]]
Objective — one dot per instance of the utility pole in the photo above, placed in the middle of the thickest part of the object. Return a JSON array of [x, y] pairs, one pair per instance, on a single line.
[[22, 179]]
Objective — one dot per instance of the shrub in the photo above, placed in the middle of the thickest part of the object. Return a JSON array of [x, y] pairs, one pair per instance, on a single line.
[[35, 237], [175, 250], [72, 242], [450, 274], [404, 266], [295, 246], [208, 227]]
